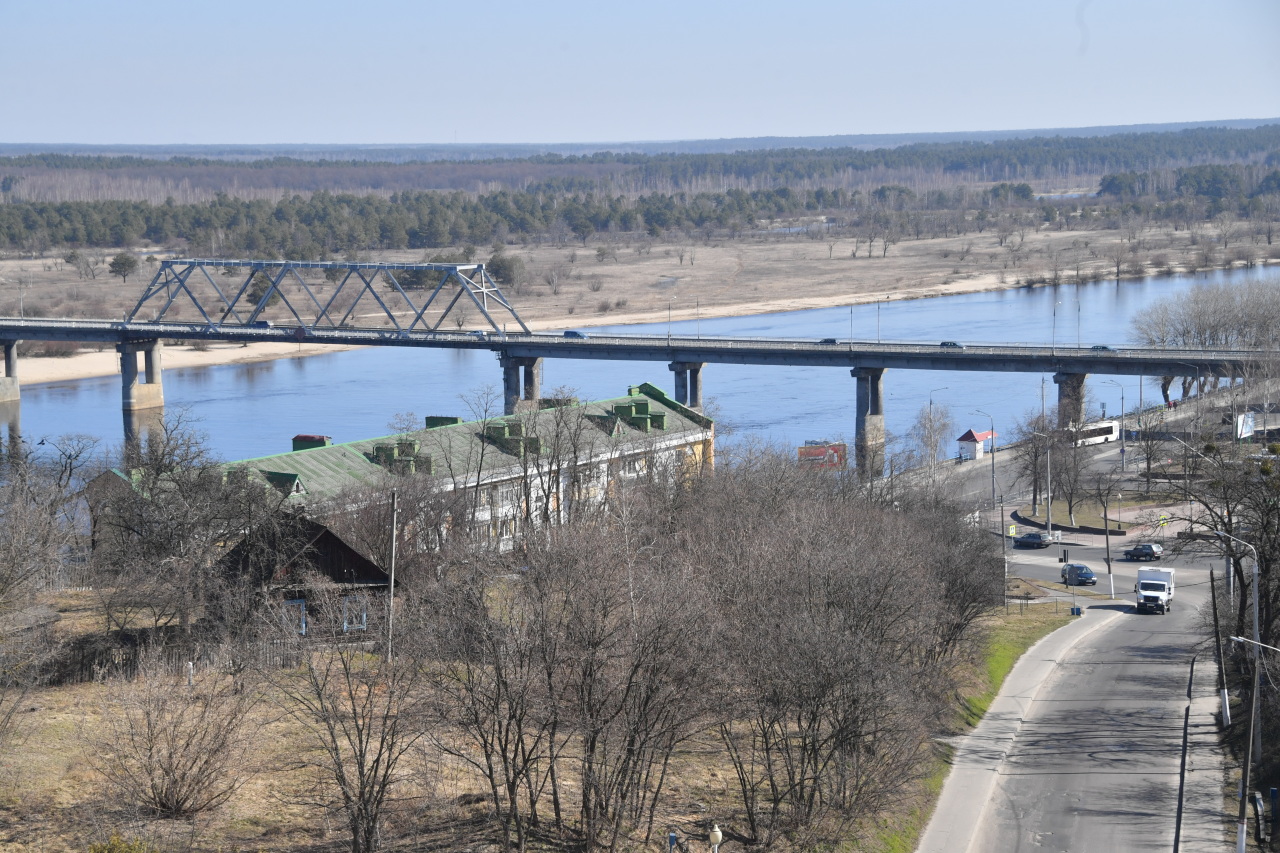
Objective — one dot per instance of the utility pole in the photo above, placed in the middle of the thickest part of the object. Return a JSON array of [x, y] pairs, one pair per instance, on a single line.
[[391, 596]]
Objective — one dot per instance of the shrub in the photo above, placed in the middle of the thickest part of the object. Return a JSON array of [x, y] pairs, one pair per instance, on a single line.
[[116, 844]]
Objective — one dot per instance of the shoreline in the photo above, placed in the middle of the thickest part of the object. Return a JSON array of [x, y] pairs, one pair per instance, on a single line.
[[88, 364]]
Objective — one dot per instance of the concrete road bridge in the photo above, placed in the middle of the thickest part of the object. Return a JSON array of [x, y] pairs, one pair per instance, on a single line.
[[407, 305]]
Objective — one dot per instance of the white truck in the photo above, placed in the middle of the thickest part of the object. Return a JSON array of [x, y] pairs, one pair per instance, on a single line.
[[1154, 590]]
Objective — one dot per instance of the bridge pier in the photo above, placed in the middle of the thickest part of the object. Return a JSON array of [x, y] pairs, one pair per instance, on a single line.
[[518, 390], [137, 395], [11, 417], [1070, 399], [869, 426], [9, 391], [688, 382]]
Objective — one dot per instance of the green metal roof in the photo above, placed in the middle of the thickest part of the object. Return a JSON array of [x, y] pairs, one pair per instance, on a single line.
[[584, 429]]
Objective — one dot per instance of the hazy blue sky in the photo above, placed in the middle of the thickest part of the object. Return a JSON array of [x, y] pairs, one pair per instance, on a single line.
[[398, 71]]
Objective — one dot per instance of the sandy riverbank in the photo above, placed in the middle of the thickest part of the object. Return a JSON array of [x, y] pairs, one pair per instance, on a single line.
[[89, 364]]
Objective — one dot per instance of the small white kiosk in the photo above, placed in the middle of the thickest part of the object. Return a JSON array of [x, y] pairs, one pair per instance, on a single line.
[[972, 445]]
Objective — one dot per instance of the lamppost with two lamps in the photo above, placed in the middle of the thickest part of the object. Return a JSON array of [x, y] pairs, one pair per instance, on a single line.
[[1253, 750]]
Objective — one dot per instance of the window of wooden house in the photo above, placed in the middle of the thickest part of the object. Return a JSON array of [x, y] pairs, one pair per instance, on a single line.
[[295, 615], [355, 613]]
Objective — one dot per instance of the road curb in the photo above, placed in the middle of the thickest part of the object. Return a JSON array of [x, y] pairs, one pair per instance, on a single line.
[[977, 756]]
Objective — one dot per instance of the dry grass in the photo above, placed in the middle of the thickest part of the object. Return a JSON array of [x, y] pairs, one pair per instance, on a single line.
[[639, 278], [52, 798]]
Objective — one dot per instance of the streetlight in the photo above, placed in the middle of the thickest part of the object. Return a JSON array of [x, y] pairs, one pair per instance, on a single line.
[[670, 302], [1053, 332], [933, 434], [1251, 642], [993, 451], [1122, 446], [1000, 522], [1242, 822], [715, 836], [1048, 476]]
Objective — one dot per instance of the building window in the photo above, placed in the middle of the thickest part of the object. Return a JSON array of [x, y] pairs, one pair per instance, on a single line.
[[355, 613], [295, 615]]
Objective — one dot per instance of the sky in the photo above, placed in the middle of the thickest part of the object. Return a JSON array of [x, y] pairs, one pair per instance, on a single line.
[[423, 71]]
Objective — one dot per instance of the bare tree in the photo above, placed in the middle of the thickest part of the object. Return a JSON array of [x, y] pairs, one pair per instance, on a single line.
[[362, 716], [161, 527], [173, 748]]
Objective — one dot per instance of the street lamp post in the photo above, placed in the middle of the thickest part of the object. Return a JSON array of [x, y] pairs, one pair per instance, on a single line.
[[993, 452], [1048, 477], [670, 302], [1053, 333], [1122, 430], [932, 437], [1000, 517], [1255, 733]]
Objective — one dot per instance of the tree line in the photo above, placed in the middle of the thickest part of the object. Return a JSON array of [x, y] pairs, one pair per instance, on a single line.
[[1034, 158]]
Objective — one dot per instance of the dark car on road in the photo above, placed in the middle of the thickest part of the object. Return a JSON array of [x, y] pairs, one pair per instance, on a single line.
[[1078, 574], [1035, 539], [1145, 551]]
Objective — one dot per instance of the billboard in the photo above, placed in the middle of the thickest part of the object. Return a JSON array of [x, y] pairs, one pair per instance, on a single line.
[[832, 455], [1245, 425]]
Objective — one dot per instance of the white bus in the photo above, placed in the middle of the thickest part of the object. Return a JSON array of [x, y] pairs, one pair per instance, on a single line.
[[1099, 432]]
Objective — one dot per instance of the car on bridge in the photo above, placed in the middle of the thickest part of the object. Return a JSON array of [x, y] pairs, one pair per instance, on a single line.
[[951, 345], [575, 334]]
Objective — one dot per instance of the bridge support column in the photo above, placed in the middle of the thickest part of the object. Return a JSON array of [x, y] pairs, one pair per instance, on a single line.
[[1070, 398], [9, 381], [139, 395], [520, 392], [11, 417], [688, 382], [869, 439], [532, 379]]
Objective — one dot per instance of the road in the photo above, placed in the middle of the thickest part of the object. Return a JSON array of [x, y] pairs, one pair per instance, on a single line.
[[1083, 749]]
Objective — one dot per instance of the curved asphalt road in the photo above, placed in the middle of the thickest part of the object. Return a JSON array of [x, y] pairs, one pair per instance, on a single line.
[[1083, 749]]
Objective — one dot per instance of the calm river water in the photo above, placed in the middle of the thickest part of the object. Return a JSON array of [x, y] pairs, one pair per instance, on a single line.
[[254, 410]]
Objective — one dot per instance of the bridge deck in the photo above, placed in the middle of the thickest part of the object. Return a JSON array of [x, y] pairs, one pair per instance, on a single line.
[[703, 349]]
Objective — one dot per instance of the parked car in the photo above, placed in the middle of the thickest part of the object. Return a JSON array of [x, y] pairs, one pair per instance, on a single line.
[[1034, 539], [575, 334], [1145, 551], [1078, 574]]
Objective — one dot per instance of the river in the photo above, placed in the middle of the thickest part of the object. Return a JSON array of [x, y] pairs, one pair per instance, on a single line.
[[255, 409]]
